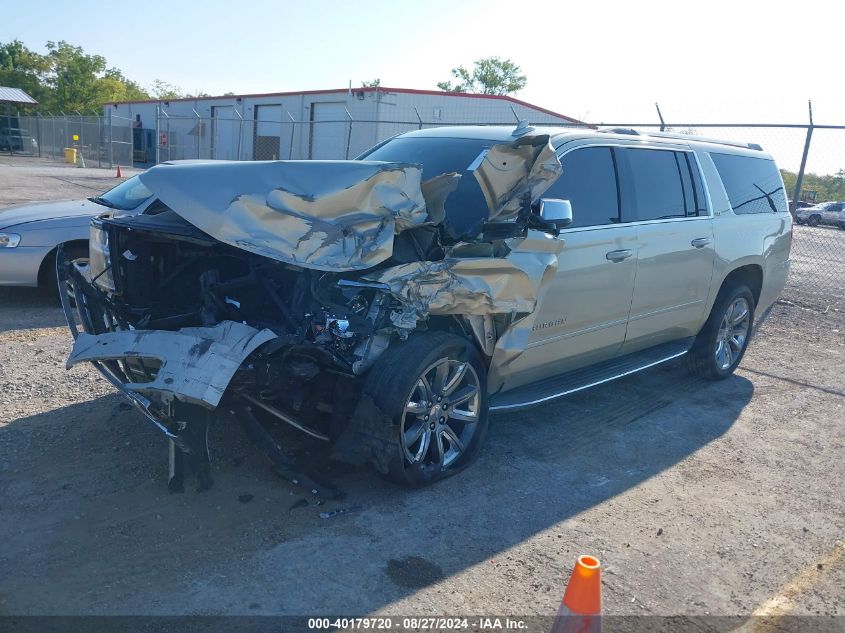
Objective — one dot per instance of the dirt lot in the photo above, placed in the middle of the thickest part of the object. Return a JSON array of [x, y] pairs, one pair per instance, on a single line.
[[699, 498]]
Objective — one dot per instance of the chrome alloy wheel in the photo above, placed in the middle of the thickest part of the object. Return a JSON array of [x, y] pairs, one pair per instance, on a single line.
[[441, 413], [733, 333]]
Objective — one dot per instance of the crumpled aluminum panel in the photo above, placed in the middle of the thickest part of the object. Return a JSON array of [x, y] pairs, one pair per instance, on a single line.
[[473, 285], [510, 171], [197, 363], [325, 215]]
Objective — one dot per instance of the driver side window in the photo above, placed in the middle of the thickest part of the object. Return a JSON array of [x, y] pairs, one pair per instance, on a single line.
[[589, 182]]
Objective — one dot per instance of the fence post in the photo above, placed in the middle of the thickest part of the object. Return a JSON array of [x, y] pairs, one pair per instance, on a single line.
[[199, 130], [158, 130], [419, 118], [111, 139], [292, 130], [38, 132], [796, 196], [348, 134]]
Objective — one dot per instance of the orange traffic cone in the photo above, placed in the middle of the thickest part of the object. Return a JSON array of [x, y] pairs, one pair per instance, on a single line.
[[580, 610], [118, 172]]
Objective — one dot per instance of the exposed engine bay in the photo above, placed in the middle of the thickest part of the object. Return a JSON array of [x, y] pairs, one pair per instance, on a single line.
[[265, 291]]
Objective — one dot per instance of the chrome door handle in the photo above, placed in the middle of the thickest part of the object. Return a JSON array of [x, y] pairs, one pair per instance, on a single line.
[[701, 242], [618, 256]]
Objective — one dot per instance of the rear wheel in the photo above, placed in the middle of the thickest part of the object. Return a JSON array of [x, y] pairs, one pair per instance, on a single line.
[[721, 344], [433, 387], [814, 220]]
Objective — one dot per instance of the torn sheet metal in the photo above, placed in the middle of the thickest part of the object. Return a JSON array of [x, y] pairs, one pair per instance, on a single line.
[[510, 171], [326, 215], [475, 285], [197, 364]]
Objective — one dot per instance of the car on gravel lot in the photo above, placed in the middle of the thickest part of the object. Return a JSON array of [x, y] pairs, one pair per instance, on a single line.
[[385, 306], [31, 233], [830, 213]]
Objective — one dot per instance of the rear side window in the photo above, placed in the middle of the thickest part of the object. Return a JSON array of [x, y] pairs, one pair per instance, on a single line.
[[588, 181], [753, 184], [653, 185]]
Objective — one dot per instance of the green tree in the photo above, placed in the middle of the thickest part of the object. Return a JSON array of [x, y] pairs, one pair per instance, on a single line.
[[375, 83], [66, 79], [815, 187], [24, 69], [164, 91], [490, 76], [73, 78]]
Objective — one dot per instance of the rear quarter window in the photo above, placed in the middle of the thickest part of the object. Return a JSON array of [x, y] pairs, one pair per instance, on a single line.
[[753, 184]]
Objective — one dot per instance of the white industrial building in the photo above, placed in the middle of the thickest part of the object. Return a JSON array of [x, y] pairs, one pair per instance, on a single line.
[[318, 124]]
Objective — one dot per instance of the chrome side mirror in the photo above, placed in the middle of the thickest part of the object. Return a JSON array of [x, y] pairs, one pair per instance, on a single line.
[[557, 212]]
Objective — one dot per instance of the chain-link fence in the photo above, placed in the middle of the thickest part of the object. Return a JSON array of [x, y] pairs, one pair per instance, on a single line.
[[811, 157], [98, 141]]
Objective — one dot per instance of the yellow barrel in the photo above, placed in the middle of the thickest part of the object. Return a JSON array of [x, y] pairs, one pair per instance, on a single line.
[[70, 155]]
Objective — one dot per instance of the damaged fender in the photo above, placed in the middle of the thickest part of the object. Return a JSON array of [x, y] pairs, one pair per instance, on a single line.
[[197, 364], [476, 285]]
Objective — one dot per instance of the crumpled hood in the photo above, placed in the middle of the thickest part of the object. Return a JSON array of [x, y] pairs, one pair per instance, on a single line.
[[327, 215], [24, 213], [339, 215]]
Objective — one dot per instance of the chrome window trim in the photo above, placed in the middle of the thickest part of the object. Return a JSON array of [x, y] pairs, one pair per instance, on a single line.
[[675, 147]]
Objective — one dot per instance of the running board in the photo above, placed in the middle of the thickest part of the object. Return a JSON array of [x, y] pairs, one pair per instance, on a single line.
[[586, 377]]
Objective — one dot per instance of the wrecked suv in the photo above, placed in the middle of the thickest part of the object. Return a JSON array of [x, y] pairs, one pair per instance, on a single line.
[[383, 307]]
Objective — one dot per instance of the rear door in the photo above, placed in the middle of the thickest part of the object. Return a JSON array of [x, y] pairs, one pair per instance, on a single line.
[[663, 200], [832, 213], [580, 320]]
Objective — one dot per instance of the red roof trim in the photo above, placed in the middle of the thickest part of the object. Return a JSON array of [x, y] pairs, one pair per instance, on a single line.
[[470, 95]]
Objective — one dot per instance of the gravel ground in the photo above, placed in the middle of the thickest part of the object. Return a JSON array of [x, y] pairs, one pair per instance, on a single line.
[[699, 498]]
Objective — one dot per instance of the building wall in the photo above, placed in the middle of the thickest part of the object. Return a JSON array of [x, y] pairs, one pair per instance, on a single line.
[[268, 127]]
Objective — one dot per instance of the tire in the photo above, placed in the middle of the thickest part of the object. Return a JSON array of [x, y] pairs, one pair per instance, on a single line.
[[427, 447], [814, 220], [75, 253], [799, 221], [717, 351]]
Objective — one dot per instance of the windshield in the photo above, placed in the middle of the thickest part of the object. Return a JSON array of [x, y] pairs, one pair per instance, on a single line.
[[465, 207], [128, 195]]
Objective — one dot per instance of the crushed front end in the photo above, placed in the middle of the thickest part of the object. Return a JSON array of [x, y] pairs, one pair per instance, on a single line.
[[264, 292]]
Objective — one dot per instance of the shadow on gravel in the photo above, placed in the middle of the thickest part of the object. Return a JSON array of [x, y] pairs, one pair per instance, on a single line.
[[22, 308], [90, 527]]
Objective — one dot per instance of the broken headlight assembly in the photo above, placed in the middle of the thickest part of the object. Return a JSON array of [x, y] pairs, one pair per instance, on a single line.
[[99, 262]]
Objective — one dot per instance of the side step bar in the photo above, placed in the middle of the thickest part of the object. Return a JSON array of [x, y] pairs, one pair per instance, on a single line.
[[586, 377]]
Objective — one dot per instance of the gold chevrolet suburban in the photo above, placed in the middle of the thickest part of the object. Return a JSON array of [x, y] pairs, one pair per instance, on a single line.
[[384, 307]]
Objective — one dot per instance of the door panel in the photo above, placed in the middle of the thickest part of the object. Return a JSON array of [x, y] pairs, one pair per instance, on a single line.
[[580, 319], [662, 198], [673, 281]]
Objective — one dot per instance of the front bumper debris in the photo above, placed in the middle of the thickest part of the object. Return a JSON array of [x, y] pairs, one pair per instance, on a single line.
[[196, 364]]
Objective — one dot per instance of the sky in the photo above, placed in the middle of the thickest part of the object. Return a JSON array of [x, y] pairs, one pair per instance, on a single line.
[[714, 61]]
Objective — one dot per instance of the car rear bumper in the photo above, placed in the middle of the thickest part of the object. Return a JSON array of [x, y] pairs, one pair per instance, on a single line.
[[19, 266]]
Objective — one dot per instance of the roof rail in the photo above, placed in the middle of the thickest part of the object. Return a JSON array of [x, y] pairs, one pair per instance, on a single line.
[[704, 139], [681, 137], [619, 130]]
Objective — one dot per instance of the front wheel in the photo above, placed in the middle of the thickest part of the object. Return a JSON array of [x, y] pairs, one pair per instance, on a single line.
[[721, 344], [814, 220], [433, 389]]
